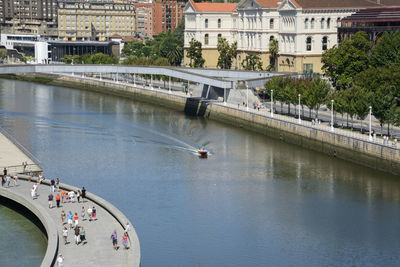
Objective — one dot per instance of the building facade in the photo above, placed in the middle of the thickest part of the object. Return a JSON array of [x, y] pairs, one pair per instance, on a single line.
[[95, 20], [167, 14], [144, 20], [304, 29], [29, 17]]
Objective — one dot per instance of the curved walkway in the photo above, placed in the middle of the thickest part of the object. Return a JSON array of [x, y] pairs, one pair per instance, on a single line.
[[98, 251]]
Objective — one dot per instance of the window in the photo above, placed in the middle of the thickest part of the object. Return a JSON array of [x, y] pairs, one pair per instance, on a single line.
[[324, 43], [206, 23], [271, 23], [206, 39], [306, 24], [219, 23], [219, 36], [308, 44], [328, 23], [312, 23], [271, 38], [322, 23], [308, 68]]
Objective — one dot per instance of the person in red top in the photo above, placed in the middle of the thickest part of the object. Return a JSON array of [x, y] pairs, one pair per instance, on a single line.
[[58, 198], [76, 218]]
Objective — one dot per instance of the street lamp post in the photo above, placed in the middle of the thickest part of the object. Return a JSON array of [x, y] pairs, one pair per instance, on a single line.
[[370, 115], [247, 97], [169, 84], [272, 103], [332, 115], [299, 109]]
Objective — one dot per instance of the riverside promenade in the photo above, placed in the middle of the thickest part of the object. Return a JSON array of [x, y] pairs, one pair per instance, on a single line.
[[98, 251]]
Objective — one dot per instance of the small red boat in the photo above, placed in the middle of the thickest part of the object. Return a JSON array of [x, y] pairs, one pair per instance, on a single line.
[[202, 151]]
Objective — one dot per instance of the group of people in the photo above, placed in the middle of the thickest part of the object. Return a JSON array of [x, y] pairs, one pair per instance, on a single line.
[[7, 178], [114, 237]]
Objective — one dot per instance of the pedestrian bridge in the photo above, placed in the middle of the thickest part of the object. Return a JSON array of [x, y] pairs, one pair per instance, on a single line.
[[224, 79]]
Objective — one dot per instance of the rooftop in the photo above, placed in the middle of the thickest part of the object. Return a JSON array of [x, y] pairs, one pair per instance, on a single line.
[[385, 14], [214, 7]]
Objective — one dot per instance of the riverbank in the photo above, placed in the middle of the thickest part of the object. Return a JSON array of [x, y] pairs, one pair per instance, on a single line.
[[98, 250], [352, 147]]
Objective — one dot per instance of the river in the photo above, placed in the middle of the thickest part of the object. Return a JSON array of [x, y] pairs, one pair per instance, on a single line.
[[254, 201]]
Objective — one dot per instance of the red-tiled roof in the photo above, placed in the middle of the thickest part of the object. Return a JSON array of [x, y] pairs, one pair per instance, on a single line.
[[328, 4], [214, 7]]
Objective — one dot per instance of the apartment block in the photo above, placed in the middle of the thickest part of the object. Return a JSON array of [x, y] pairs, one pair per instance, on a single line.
[[144, 20], [167, 14], [95, 20]]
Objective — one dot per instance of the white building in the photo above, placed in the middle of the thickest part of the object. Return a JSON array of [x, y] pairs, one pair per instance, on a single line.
[[303, 28], [28, 45]]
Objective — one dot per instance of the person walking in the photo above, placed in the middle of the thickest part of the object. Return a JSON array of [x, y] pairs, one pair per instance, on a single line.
[[60, 261], [83, 236], [78, 196], [125, 240], [30, 176], [77, 235], [70, 216], [8, 179], [3, 181], [58, 198], [83, 212], [76, 219], [52, 185], [58, 185], [15, 179], [50, 198], [94, 213], [5, 172], [62, 216], [89, 213], [114, 238], [63, 196], [83, 194], [65, 235], [33, 193]]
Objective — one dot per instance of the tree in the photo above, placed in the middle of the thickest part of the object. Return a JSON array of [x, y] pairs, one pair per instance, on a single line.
[[315, 93], [179, 31], [171, 48], [387, 50], [194, 53], [384, 104], [252, 62], [226, 53], [133, 49], [341, 64], [273, 59]]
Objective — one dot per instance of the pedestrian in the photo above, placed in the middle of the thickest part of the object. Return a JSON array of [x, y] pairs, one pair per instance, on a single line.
[[76, 219], [83, 212], [65, 235], [8, 179], [77, 235], [52, 185], [71, 196], [35, 186], [94, 213], [58, 198], [3, 181], [89, 213], [30, 176], [62, 216], [60, 260], [83, 236], [15, 179], [70, 216], [125, 241], [50, 198], [127, 227], [33, 193], [78, 196], [83, 194], [114, 239], [58, 185], [41, 178], [63, 196], [5, 172], [24, 163]]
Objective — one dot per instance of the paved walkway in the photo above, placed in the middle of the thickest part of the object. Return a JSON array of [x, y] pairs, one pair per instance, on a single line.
[[98, 251]]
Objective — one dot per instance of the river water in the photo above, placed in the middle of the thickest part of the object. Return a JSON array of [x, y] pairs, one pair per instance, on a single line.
[[254, 201]]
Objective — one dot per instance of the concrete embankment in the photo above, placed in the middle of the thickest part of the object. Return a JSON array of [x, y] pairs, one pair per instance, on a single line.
[[98, 250], [351, 148]]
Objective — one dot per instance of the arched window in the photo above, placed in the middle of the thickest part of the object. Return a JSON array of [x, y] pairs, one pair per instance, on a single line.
[[219, 36], [306, 24], [271, 23], [328, 23], [206, 39], [219, 23], [324, 43], [308, 43], [338, 22], [312, 23], [206, 23], [322, 23], [271, 38]]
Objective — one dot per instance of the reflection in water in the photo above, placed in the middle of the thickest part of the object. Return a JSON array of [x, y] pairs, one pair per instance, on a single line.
[[253, 201]]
